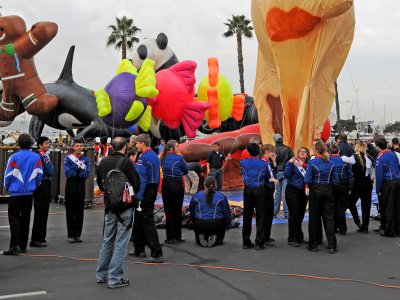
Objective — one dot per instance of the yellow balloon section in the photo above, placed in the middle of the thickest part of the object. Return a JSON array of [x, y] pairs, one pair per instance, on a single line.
[[225, 94]]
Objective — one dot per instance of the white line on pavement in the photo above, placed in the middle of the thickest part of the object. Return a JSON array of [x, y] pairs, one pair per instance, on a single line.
[[12, 296]]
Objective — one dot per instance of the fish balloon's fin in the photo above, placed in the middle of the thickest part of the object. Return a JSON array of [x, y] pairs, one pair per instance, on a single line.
[[214, 120], [193, 116], [145, 120], [126, 66], [185, 70], [103, 102], [66, 73], [213, 71], [145, 83], [237, 107], [134, 112]]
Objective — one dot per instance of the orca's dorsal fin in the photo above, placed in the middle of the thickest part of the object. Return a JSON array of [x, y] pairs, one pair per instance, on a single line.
[[66, 73]]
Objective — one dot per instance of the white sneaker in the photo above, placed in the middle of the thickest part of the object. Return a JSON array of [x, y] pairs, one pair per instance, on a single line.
[[212, 240], [203, 241]]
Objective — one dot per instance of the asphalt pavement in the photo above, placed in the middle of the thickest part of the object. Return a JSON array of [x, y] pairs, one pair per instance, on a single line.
[[367, 266]]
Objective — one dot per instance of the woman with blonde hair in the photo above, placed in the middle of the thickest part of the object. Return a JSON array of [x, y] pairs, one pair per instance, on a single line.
[[362, 187], [320, 177]]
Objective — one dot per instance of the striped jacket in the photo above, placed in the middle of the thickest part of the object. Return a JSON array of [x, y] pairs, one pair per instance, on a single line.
[[24, 173]]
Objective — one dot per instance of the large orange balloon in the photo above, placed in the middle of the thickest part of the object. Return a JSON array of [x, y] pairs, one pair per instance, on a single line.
[[303, 45]]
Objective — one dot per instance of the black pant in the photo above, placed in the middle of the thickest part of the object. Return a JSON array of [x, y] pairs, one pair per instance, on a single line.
[[74, 205], [210, 227], [341, 197], [173, 194], [253, 198], [321, 204], [269, 212], [19, 216], [391, 206], [363, 190], [41, 198], [296, 200], [144, 228], [217, 174]]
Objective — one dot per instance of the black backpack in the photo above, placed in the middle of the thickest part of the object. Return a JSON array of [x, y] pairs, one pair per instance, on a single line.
[[114, 186]]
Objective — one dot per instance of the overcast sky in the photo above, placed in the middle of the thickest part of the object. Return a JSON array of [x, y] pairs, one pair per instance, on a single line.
[[195, 29]]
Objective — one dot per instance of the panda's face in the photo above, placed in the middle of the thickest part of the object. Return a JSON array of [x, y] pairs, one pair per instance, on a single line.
[[149, 48]]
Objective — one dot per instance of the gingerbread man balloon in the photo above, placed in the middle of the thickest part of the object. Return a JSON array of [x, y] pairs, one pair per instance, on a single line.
[[22, 88]]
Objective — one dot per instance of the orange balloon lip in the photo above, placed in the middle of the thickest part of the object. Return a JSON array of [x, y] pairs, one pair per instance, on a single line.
[[294, 24]]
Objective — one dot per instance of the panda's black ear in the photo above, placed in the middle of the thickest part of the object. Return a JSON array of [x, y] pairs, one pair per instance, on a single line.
[[162, 41], [142, 51]]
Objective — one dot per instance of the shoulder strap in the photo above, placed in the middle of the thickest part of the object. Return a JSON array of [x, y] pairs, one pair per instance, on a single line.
[[119, 163]]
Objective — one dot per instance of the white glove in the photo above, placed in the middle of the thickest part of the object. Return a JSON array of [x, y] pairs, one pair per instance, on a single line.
[[308, 192]]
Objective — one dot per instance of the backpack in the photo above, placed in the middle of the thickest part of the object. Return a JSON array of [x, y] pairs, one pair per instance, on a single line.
[[116, 194]]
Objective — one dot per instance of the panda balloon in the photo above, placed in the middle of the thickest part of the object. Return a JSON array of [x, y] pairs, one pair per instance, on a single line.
[[157, 50], [164, 57]]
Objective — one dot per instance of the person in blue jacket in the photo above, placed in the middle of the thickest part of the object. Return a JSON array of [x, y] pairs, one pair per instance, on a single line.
[[387, 174], [254, 172], [341, 192], [77, 170], [172, 189], [296, 198], [22, 176], [144, 229], [42, 196], [268, 155], [321, 176], [210, 214]]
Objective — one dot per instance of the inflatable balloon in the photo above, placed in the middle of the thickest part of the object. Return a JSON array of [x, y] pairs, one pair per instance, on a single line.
[[217, 91], [175, 102], [76, 108], [22, 88], [303, 45], [326, 130], [122, 103]]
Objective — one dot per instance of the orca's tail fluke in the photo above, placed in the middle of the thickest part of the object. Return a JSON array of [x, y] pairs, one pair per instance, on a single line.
[[66, 73]]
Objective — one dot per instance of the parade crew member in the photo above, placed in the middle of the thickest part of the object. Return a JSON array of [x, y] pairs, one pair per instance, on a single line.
[[345, 148], [295, 171], [362, 187], [341, 191], [144, 230], [160, 147], [283, 154], [268, 155], [77, 170], [22, 176], [192, 177], [215, 161], [42, 196], [387, 172], [254, 174], [320, 177], [173, 167], [245, 154], [210, 214]]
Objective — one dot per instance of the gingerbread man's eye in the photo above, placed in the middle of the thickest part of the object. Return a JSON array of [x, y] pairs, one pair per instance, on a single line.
[[1, 29]]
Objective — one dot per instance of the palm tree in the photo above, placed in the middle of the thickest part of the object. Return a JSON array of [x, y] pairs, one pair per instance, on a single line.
[[123, 35], [239, 26]]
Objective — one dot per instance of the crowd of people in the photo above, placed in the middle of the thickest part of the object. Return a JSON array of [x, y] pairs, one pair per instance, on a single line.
[[328, 180]]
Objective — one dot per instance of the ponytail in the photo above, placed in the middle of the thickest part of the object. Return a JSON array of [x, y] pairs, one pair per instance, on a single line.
[[209, 184], [321, 150], [170, 145]]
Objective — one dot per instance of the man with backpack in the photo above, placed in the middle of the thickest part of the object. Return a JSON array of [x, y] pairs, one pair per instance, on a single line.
[[117, 177]]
